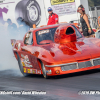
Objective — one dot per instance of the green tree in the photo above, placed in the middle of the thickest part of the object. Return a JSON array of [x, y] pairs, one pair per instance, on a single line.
[[93, 3]]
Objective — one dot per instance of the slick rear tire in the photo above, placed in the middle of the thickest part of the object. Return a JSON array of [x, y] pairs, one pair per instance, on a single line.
[[44, 71], [21, 67], [29, 10]]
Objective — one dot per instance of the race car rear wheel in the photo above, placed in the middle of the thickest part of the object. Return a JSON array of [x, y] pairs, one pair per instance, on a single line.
[[44, 71], [21, 67]]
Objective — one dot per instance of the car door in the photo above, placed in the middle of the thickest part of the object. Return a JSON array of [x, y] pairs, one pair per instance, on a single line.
[[30, 61], [25, 53]]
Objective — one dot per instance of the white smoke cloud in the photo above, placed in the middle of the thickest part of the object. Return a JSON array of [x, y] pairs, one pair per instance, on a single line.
[[7, 59]]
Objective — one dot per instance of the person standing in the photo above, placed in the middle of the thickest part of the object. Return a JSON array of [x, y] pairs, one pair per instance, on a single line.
[[53, 18], [86, 28], [12, 27]]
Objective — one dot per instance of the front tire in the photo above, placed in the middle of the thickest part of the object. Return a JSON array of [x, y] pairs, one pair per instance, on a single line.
[[21, 67], [44, 71]]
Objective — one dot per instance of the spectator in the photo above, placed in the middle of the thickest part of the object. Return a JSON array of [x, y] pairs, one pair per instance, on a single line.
[[86, 28]]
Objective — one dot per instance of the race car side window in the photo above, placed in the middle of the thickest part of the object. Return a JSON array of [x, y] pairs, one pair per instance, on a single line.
[[78, 34], [28, 39]]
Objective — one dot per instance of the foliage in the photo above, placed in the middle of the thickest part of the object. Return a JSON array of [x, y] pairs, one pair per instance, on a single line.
[[93, 3]]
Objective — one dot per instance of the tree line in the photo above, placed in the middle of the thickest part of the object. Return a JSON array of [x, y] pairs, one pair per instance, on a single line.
[[93, 3]]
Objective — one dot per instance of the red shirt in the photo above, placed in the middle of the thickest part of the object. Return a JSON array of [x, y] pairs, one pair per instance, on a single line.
[[53, 19]]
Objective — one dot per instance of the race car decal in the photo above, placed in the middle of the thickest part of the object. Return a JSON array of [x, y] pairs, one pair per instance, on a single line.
[[25, 61], [23, 64], [49, 72], [43, 31], [32, 71], [24, 70], [27, 65], [28, 70]]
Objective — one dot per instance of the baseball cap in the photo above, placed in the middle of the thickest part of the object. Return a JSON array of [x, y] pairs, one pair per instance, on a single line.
[[49, 9]]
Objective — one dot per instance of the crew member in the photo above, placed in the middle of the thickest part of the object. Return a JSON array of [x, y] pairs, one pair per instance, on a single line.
[[53, 18], [86, 28]]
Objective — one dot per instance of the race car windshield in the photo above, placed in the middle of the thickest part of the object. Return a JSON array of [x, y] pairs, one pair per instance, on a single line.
[[47, 35]]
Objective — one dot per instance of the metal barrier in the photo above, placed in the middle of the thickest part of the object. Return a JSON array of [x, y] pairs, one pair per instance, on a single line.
[[92, 20], [95, 11]]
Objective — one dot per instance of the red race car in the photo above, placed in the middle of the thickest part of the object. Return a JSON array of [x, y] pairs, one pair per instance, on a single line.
[[56, 50]]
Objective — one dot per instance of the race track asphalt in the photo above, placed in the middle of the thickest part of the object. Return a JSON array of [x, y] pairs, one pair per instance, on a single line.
[[65, 87]]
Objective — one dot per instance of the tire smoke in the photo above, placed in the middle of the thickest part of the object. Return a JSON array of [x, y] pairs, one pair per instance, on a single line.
[[7, 58]]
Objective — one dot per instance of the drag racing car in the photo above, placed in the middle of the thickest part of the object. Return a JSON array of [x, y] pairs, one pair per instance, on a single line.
[[56, 50]]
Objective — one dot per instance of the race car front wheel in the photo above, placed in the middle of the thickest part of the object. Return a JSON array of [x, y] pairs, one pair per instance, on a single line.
[[44, 71], [21, 67]]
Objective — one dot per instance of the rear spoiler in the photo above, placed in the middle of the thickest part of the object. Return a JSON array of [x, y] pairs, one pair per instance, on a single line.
[[13, 41]]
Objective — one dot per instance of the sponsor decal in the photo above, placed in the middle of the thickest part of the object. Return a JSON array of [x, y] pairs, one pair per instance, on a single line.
[[43, 31], [24, 70], [27, 65], [49, 72], [31, 71], [28, 70], [25, 61], [23, 64], [34, 72], [56, 2]]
